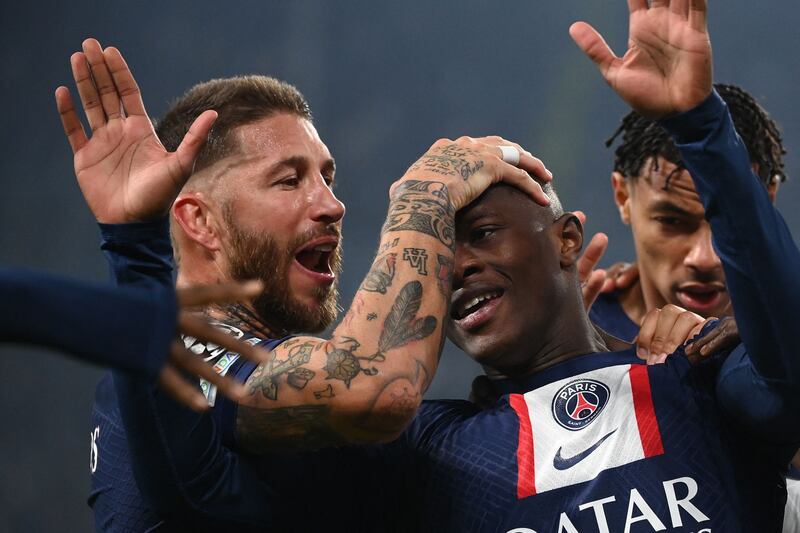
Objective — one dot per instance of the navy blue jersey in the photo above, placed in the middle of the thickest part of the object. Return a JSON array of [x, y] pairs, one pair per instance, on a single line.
[[607, 313], [591, 444], [88, 321]]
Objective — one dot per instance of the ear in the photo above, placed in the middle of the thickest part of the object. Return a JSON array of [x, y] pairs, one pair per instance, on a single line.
[[197, 221], [571, 239], [772, 189], [622, 195]]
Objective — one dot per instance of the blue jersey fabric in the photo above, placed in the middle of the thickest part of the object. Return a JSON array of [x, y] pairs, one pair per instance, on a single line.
[[591, 444], [607, 313], [140, 258], [125, 328]]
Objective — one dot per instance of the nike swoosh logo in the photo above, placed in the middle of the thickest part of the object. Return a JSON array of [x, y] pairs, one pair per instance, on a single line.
[[565, 463]]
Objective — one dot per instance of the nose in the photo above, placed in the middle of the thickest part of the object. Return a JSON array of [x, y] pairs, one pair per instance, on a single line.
[[465, 264], [325, 206], [702, 255]]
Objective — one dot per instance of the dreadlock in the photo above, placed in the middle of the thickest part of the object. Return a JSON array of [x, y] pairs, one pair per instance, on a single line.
[[644, 140]]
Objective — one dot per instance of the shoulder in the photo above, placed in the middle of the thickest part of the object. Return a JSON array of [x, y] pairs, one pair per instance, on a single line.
[[608, 314]]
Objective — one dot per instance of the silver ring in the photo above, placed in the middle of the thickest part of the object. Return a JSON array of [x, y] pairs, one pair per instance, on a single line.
[[510, 154]]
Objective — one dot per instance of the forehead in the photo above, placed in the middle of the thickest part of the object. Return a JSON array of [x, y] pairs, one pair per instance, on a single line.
[[667, 184], [279, 135], [500, 200]]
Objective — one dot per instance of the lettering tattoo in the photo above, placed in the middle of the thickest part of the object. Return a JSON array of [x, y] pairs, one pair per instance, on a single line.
[[424, 207], [418, 258], [265, 378], [380, 276], [388, 245], [450, 160]]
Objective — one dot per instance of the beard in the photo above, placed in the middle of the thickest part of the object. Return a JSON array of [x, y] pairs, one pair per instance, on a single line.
[[255, 256]]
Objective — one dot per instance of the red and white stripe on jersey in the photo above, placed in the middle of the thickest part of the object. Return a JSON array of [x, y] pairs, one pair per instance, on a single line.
[[550, 456]]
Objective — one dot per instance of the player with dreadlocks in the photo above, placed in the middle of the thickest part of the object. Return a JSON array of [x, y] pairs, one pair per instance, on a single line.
[[676, 261], [657, 199]]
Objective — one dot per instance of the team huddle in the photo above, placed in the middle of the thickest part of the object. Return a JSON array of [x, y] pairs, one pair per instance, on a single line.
[[664, 402]]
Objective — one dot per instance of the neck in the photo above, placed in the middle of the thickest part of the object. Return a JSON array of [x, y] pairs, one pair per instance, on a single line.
[[634, 302], [570, 335], [243, 317]]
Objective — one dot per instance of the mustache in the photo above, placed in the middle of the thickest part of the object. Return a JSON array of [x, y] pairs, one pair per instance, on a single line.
[[330, 230]]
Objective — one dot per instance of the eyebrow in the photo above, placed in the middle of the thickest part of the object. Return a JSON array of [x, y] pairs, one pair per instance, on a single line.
[[669, 207], [299, 161]]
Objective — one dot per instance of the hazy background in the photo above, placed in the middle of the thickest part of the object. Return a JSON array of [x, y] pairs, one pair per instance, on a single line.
[[385, 79]]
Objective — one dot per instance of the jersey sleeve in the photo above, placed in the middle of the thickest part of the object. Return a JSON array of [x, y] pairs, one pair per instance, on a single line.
[[757, 385], [96, 323], [182, 468]]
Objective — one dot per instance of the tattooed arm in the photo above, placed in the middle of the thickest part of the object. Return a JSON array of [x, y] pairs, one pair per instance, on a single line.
[[365, 383]]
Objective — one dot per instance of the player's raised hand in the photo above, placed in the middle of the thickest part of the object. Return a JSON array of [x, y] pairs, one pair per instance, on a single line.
[[667, 67], [123, 170], [182, 360], [593, 279]]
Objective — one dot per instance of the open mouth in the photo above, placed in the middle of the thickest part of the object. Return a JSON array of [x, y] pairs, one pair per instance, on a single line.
[[317, 259], [701, 300], [473, 305]]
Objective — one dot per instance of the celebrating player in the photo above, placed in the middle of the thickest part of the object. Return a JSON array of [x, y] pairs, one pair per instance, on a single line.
[[581, 440]]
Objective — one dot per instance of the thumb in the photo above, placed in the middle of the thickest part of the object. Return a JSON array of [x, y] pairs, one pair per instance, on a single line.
[[594, 46], [193, 141]]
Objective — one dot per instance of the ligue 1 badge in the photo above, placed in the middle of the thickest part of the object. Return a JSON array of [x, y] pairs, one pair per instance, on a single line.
[[579, 402]]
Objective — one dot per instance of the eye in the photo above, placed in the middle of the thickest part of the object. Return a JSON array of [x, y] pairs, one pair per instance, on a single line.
[[329, 181], [482, 232], [290, 182], [670, 222]]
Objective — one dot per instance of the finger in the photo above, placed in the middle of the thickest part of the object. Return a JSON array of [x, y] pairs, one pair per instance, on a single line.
[[203, 295], [592, 288], [591, 256], [200, 329], [109, 98], [73, 129], [627, 276], [659, 3], [581, 216], [594, 46], [667, 321], [646, 331], [681, 331], [698, 15], [608, 285], [127, 88], [173, 383], [527, 161], [680, 8], [186, 360], [636, 5], [87, 91], [193, 141], [521, 180]]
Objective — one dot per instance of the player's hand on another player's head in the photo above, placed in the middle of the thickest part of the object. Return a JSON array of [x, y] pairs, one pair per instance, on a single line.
[[468, 166], [620, 276], [724, 336], [667, 67], [663, 330], [182, 360], [124, 172]]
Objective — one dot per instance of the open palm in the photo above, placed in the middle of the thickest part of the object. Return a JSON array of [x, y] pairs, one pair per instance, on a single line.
[[123, 170], [667, 67]]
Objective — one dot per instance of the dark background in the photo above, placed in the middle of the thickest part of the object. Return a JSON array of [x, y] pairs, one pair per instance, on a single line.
[[385, 79]]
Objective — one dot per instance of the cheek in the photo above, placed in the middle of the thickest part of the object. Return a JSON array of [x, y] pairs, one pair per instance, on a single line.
[[658, 253]]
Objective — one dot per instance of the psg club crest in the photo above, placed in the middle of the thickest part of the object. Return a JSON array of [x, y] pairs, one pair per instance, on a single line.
[[579, 402]]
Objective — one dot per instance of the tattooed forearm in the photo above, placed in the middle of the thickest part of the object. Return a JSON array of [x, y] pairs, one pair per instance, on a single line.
[[424, 207], [265, 378], [327, 392], [302, 427], [402, 325], [450, 160], [418, 258], [381, 275]]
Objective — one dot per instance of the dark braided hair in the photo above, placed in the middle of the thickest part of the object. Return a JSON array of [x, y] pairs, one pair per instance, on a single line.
[[644, 140]]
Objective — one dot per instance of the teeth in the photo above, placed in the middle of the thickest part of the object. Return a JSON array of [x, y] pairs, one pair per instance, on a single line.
[[475, 301], [323, 248]]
